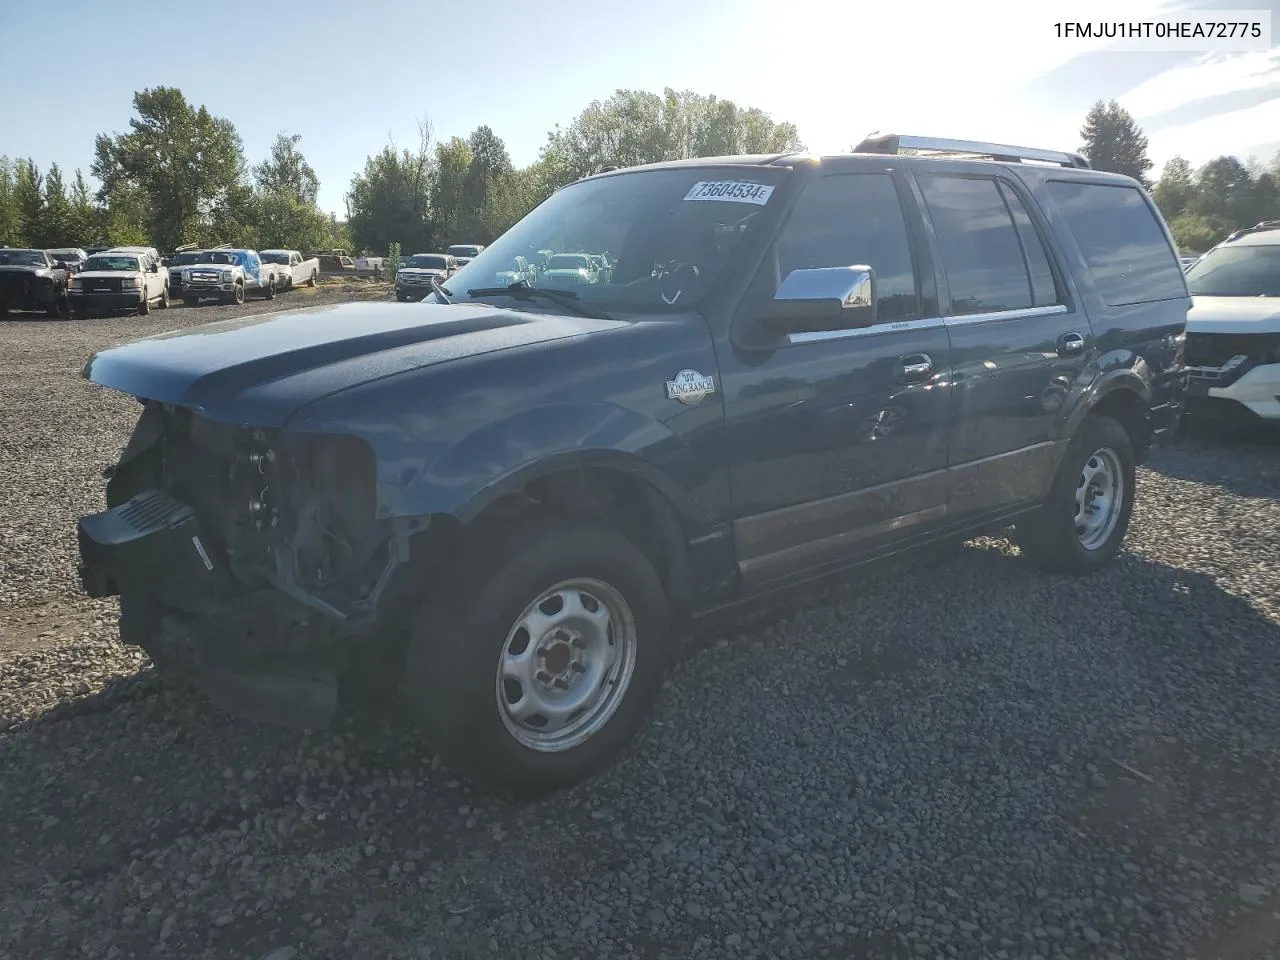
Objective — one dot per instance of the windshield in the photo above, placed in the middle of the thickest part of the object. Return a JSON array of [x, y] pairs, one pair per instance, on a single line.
[[668, 235], [1252, 271], [22, 258], [113, 262], [217, 256], [425, 262], [463, 251], [274, 257], [191, 256]]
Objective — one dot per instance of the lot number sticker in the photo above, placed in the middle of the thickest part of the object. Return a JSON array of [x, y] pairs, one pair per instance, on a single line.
[[734, 191]]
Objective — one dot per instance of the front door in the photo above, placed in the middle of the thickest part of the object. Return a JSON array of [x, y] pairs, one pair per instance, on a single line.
[[1018, 342], [837, 440]]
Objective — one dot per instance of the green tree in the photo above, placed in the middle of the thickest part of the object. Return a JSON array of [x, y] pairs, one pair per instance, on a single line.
[[488, 172], [634, 127], [58, 228], [1225, 193], [283, 221], [10, 214], [126, 214], [1266, 196], [1195, 234], [1114, 142], [86, 218], [189, 163], [448, 191], [390, 199], [287, 172], [29, 198], [1175, 188]]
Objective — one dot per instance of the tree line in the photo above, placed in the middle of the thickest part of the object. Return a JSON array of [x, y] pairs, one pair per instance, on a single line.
[[179, 175], [1202, 206]]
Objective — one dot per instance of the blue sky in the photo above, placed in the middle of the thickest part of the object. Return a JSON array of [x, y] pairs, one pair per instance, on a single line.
[[349, 76]]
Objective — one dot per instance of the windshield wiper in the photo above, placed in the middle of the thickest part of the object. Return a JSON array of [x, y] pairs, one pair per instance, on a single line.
[[438, 288], [524, 290]]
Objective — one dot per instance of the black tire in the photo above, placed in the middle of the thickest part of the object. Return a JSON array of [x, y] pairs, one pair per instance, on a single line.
[[462, 630], [312, 281], [237, 295], [164, 299], [54, 310], [144, 305], [1052, 538], [269, 291], [191, 301], [79, 313]]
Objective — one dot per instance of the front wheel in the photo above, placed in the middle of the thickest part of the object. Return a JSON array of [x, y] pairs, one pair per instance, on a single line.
[[144, 305], [1082, 523], [164, 299], [537, 662]]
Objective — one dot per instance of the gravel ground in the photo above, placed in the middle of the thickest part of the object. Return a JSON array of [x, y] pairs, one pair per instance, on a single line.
[[960, 759]]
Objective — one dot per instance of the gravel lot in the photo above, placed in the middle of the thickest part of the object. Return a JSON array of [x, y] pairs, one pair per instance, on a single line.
[[959, 758]]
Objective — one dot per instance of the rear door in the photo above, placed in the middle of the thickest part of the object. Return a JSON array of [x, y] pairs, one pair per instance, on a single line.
[[1018, 342], [837, 440]]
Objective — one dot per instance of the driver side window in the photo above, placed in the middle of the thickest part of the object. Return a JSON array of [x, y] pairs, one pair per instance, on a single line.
[[843, 220]]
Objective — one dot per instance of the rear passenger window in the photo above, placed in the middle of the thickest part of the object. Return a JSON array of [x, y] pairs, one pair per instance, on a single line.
[[1128, 254], [849, 219], [1044, 289], [981, 251]]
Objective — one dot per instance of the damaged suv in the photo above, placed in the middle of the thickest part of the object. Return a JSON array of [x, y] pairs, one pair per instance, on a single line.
[[508, 498]]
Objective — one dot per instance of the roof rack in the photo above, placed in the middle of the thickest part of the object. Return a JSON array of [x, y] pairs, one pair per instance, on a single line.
[[893, 143], [1262, 225]]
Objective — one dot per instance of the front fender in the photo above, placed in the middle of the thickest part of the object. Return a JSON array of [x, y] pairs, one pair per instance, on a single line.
[[499, 458]]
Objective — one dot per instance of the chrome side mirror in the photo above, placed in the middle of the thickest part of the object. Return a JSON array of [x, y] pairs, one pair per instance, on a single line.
[[823, 298]]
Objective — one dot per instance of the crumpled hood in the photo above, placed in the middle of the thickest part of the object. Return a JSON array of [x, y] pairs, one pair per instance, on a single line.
[[1234, 315], [260, 370]]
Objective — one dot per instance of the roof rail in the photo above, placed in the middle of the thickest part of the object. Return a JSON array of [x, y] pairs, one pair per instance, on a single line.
[[1262, 225], [893, 143]]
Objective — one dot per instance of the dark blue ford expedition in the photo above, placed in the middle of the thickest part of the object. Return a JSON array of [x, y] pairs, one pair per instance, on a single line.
[[509, 495]]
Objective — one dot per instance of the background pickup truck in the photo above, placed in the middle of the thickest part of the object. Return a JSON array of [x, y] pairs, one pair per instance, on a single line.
[[295, 269], [230, 276], [32, 280], [118, 280]]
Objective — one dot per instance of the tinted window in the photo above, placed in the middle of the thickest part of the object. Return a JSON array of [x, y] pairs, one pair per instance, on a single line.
[[852, 219], [1044, 289], [981, 252], [1128, 255]]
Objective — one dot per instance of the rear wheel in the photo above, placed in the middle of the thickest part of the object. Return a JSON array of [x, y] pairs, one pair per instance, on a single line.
[[312, 281], [537, 662], [1082, 523], [269, 292]]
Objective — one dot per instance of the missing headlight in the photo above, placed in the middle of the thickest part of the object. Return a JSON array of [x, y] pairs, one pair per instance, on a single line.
[[334, 502]]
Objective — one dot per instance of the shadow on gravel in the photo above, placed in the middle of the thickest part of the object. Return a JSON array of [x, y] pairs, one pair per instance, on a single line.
[[1211, 453], [969, 744]]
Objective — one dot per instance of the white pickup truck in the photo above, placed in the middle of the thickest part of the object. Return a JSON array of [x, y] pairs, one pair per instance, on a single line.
[[230, 276], [297, 271]]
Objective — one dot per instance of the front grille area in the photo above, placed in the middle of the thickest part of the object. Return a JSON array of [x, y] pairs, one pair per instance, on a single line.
[[102, 285], [1216, 349]]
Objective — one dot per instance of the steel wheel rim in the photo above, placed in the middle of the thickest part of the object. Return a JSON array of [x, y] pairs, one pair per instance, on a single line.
[[1099, 498], [565, 665]]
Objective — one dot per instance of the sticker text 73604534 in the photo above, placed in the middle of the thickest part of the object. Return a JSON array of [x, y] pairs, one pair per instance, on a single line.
[[734, 191]]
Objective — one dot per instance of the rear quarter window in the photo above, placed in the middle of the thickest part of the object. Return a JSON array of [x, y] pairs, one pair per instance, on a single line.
[[1123, 243]]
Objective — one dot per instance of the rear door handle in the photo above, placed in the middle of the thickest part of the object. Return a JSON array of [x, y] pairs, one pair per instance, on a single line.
[[1070, 344], [915, 368]]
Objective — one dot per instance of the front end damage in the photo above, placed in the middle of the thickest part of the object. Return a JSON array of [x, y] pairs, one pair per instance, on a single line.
[[252, 562]]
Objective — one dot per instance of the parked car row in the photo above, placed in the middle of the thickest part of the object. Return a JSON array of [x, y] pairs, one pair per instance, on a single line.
[[231, 275]]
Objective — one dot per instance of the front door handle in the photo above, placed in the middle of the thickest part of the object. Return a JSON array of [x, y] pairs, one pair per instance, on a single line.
[[1070, 345], [915, 368]]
